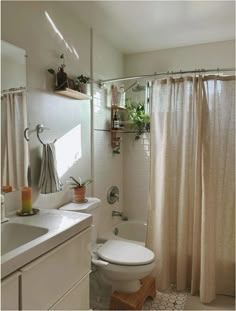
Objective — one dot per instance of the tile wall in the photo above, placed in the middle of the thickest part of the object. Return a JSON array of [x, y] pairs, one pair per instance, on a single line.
[[136, 171], [108, 167]]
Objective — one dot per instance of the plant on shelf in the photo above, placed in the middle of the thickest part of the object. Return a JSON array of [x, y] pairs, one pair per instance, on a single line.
[[60, 75], [83, 79], [141, 120], [83, 82], [79, 187]]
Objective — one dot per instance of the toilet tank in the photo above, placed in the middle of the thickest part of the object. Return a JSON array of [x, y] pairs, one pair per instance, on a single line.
[[90, 207]]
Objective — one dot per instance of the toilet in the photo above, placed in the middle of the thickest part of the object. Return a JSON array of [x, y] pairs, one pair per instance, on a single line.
[[120, 263]]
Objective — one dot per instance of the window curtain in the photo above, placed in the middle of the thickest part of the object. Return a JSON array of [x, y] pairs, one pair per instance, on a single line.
[[191, 214], [14, 147]]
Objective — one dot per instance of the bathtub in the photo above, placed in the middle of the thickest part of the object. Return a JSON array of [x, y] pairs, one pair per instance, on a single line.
[[130, 230]]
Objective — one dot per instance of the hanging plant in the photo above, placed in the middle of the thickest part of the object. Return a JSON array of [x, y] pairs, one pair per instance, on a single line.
[[141, 120]]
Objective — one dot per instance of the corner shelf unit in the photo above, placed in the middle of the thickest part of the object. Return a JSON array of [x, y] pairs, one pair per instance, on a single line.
[[115, 133], [73, 94]]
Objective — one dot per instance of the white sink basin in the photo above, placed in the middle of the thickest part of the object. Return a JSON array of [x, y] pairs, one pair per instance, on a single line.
[[14, 235], [26, 238]]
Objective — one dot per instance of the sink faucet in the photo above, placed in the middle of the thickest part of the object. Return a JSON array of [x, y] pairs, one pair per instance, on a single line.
[[3, 218], [116, 213]]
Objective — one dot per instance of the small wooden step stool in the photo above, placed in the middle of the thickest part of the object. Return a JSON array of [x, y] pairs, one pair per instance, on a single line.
[[134, 301]]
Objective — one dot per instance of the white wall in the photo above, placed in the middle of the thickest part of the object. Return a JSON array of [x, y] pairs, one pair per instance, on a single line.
[[25, 25], [31, 31], [108, 168], [136, 153], [211, 55], [13, 68]]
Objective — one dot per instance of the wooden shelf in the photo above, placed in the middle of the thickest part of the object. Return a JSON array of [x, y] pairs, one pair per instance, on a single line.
[[118, 107], [73, 94], [117, 131]]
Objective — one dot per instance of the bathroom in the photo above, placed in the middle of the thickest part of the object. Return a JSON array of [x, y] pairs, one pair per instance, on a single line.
[[101, 48]]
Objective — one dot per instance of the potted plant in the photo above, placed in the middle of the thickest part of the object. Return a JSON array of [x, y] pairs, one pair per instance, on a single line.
[[79, 187], [83, 83], [141, 120], [60, 76]]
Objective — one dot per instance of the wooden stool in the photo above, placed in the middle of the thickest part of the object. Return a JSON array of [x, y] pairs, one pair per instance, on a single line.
[[134, 301]]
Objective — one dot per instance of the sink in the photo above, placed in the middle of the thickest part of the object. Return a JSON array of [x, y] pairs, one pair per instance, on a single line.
[[14, 235], [24, 239]]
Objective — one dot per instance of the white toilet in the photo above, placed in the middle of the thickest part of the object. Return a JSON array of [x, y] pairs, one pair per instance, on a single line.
[[122, 264]]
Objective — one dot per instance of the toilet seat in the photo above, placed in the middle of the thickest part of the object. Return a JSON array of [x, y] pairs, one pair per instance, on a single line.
[[125, 253]]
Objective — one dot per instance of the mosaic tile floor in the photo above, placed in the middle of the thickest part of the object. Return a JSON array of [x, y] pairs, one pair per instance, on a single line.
[[168, 300]]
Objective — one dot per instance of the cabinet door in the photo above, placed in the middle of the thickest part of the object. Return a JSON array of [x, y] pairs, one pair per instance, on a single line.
[[77, 298], [48, 278], [10, 292]]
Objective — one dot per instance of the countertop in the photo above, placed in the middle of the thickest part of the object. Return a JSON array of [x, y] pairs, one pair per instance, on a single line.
[[61, 225]]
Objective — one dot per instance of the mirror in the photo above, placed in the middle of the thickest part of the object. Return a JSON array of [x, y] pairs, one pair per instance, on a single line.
[[15, 168]]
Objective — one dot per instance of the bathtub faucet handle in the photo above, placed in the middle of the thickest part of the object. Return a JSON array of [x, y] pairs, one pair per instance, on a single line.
[[115, 195]]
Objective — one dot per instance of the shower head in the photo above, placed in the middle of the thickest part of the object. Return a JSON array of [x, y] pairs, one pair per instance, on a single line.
[[138, 88]]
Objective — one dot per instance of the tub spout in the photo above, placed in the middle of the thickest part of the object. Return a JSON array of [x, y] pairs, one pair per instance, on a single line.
[[116, 213]]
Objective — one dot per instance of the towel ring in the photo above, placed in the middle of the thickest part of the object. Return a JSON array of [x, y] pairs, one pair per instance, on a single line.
[[26, 134], [39, 129]]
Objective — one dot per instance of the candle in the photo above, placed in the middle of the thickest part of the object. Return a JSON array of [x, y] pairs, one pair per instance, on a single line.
[[26, 200], [6, 188]]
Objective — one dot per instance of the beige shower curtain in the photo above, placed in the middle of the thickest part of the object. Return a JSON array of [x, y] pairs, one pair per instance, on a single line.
[[191, 212]]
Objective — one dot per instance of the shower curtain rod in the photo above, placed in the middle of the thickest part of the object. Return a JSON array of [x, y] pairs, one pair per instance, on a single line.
[[156, 74], [18, 89]]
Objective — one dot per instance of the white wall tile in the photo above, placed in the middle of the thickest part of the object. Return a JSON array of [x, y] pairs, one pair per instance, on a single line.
[[136, 176]]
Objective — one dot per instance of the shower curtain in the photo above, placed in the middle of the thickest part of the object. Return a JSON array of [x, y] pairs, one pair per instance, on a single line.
[[14, 148], [191, 210]]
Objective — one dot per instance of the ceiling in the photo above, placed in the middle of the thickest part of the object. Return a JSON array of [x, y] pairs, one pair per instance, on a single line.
[[138, 26]]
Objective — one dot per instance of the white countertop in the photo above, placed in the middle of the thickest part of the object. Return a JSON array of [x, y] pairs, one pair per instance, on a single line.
[[61, 225]]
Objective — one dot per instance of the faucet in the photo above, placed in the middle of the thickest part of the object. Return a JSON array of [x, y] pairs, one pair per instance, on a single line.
[[3, 218], [116, 213]]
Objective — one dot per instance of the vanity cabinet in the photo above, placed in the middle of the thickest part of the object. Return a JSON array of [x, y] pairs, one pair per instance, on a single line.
[[70, 300], [60, 278], [10, 292]]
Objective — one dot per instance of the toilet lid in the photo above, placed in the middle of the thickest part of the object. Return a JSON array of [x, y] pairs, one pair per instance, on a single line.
[[125, 253]]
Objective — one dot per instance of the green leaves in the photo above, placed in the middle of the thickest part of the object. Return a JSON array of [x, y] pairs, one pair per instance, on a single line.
[[78, 183], [52, 71], [141, 120], [83, 79]]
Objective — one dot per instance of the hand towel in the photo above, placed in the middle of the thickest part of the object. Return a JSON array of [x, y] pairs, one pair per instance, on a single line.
[[49, 181]]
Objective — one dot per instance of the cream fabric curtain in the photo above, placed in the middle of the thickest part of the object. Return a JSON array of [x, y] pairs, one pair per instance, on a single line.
[[191, 210], [14, 148]]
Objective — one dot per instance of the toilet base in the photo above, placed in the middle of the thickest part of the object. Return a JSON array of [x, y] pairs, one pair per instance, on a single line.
[[126, 286], [134, 301]]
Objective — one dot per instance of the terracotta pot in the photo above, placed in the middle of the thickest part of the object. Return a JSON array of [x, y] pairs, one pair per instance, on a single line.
[[79, 194]]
